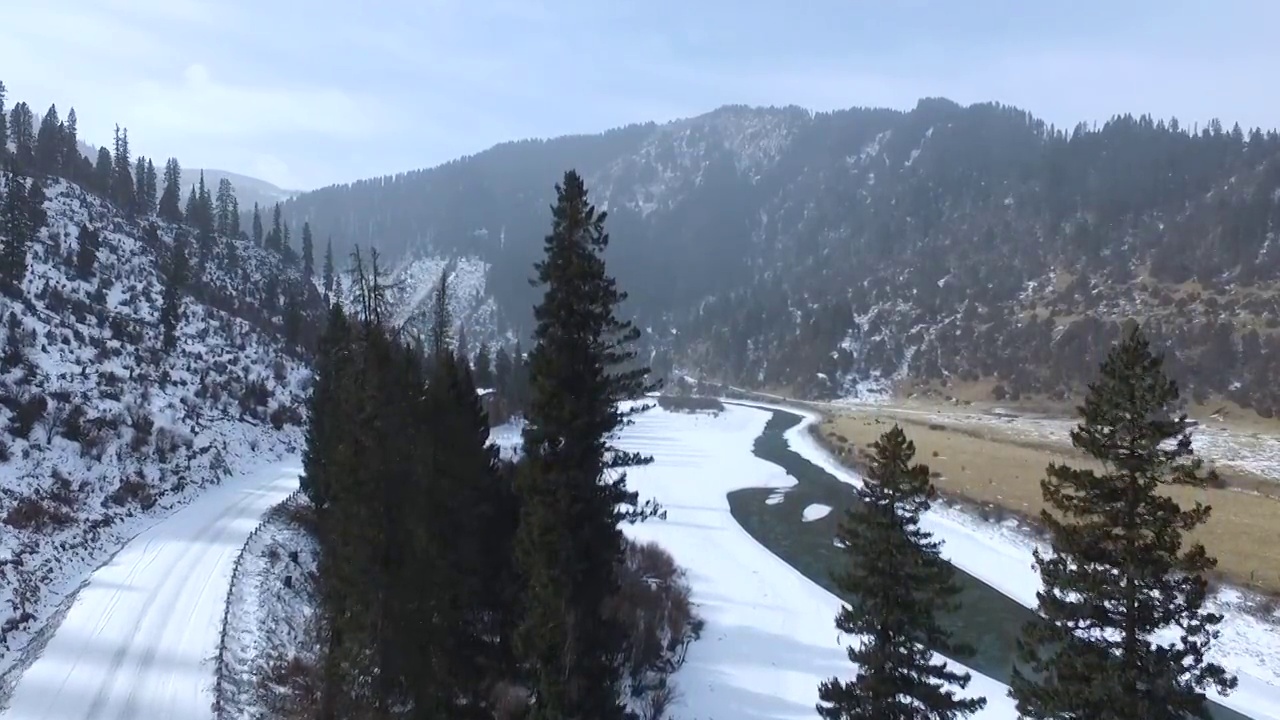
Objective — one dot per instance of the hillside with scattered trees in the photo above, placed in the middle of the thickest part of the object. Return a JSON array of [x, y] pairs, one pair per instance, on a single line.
[[149, 350]]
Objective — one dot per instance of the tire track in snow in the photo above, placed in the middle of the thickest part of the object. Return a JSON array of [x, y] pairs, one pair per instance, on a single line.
[[163, 590]]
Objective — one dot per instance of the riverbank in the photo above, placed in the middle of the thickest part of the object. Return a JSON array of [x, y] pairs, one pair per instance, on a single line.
[[996, 558]]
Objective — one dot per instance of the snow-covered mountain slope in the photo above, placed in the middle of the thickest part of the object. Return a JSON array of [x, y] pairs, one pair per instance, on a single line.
[[101, 432], [413, 283]]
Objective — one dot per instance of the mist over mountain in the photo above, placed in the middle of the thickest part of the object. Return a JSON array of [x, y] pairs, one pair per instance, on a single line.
[[822, 251]]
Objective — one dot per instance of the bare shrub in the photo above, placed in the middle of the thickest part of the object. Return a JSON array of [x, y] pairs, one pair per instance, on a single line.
[[690, 404], [654, 706], [32, 513], [290, 689], [508, 701], [132, 490], [653, 601], [54, 418]]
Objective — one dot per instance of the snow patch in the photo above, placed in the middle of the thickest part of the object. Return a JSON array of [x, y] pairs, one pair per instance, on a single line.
[[816, 511]]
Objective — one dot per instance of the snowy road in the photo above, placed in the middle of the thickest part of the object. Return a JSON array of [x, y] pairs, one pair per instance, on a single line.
[[140, 637]]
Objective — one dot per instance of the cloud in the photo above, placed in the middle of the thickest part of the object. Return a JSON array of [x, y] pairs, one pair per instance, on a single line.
[[199, 104], [326, 91]]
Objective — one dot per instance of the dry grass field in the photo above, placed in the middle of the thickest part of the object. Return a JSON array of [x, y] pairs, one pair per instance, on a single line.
[[992, 464]]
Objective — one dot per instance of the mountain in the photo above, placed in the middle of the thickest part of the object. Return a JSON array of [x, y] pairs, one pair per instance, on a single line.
[[249, 190], [833, 252], [100, 426]]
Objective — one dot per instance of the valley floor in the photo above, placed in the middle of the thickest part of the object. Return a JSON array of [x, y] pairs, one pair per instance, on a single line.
[[997, 459], [139, 639], [770, 637], [1000, 554]]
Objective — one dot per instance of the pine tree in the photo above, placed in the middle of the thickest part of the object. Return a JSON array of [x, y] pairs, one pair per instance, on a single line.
[[502, 372], [902, 584], [22, 134], [122, 190], [4, 126], [257, 225], [49, 144], [441, 317], [176, 272], [86, 252], [275, 237], [13, 252], [572, 492], [71, 157], [140, 185], [1117, 573], [192, 211], [233, 219], [464, 348], [224, 208], [292, 328], [284, 239], [205, 210], [23, 217], [483, 367], [328, 268], [102, 173], [151, 186], [171, 197], [308, 255]]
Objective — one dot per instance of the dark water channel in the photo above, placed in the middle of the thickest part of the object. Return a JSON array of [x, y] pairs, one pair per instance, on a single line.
[[988, 620]]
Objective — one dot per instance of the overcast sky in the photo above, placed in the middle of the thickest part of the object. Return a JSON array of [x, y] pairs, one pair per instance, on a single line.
[[305, 93]]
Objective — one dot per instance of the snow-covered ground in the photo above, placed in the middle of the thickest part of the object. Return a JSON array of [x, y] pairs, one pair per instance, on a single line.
[[770, 636], [816, 511], [139, 639], [270, 618], [1001, 556], [122, 434]]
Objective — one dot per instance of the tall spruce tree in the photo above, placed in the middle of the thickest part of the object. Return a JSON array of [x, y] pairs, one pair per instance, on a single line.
[[151, 195], [256, 225], [192, 210], [275, 236], [308, 254], [441, 317], [170, 209], [206, 220], [16, 220], [4, 126], [902, 584], [72, 160], [122, 189], [1118, 573], [140, 185], [572, 491], [224, 208], [49, 143], [502, 371], [86, 251], [102, 170], [483, 371], [328, 268], [176, 274], [22, 133]]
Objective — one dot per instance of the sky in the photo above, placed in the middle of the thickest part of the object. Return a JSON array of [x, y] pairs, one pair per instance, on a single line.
[[307, 93]]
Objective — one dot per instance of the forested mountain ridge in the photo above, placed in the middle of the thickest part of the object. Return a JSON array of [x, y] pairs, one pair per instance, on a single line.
[[821, 250]]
